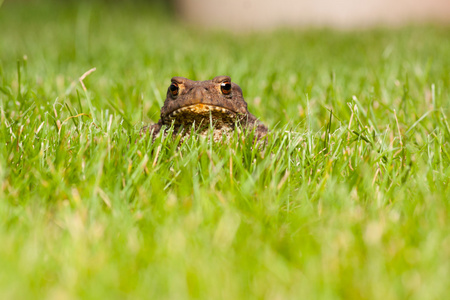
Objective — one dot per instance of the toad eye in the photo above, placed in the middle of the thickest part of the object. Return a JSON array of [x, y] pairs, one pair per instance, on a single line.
[[173, 89], [225, 87]]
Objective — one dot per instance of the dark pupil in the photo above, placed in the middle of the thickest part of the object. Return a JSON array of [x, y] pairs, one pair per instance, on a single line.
[[226, 87], [173, 88]]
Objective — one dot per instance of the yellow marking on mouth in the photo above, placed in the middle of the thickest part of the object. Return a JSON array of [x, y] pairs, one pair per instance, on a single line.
[[200, 108]]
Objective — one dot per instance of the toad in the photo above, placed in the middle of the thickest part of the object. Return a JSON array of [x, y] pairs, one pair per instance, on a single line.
[[216, 103]]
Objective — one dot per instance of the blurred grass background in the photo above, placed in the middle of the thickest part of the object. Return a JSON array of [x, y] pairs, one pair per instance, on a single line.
[[355, 208]]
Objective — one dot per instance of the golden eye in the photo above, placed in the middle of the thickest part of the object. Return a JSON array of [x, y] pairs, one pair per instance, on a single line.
[[173, 89], [225, 87]]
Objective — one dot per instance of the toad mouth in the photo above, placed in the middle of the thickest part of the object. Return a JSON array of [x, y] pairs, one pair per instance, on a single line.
[[200, 109]]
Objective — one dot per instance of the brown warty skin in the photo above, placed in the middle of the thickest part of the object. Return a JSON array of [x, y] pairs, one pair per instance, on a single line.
[[217, 102]]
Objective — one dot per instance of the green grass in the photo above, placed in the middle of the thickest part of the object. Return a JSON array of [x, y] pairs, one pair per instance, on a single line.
[[352, 204]]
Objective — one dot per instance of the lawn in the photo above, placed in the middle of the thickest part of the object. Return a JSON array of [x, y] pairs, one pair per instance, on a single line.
[[347, 199]]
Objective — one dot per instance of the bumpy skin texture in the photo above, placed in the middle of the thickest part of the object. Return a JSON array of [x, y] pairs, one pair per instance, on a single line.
[[218, 103]]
